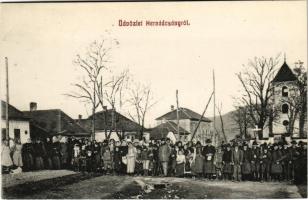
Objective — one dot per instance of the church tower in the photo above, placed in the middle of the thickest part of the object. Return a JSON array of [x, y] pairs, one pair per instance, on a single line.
[[285, 91]]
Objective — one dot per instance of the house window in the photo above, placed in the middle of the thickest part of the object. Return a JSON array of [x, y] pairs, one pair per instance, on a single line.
[[17, 134], [285, 122], [3, 132], [285, 108], [284, 91]]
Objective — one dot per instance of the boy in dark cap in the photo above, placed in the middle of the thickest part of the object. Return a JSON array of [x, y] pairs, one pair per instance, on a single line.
[[237, 161]]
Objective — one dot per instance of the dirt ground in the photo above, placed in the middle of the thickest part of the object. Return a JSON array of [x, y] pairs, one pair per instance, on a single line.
[[117, 187]]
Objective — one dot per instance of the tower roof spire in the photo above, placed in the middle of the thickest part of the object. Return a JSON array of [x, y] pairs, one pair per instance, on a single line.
[[284, 57]]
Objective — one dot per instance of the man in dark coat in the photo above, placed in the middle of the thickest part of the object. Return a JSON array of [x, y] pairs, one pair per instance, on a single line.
[[255, 161], [265, 163], [209, 152], [276, 166], [246, 167], [226, 161], [293, 154], [237, 161]]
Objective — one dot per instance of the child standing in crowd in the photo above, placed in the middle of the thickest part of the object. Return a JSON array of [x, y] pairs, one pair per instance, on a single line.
[[218, 163], [145, 160], [139, 161], [180, 163], [107, 160]]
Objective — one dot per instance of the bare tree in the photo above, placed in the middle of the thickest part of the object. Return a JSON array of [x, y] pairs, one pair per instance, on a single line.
[[113, 94], [301, 74], [141, 99], [242, 119], [94, 64], [256, 83]]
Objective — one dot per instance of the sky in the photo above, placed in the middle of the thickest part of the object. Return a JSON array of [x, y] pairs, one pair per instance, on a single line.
[[42, 40]]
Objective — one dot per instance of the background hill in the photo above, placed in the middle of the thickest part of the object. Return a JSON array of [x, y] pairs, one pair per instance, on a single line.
[[229, 125]]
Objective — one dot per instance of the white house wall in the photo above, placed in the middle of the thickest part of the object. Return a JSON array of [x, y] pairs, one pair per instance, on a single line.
[[22, 125]]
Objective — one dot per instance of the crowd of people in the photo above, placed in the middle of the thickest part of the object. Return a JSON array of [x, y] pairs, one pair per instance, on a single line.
[[232, 161]]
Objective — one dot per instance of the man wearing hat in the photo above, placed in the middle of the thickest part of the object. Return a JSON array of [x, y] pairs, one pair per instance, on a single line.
[[237, 161], [293, 154], [209, 153], [246, 167], [276, 167], [265, 161], [226, 161], [255, 161]]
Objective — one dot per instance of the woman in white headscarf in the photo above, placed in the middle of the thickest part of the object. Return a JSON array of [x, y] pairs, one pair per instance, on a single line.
[[131, 158]]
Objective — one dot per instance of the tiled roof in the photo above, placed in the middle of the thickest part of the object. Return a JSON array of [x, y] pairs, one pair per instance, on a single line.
[[162, 130], [55, 121], [14, 113], [184, 113], [103, 119]]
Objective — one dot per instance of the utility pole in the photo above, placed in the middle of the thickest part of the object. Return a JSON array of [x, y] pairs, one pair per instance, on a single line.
[[177, 114], [93, 114], [7, 99], [214, 107]]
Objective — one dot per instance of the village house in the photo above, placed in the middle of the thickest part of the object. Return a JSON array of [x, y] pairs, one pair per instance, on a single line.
[[122, 128], [188, 121], [55, 122], [19, 124]]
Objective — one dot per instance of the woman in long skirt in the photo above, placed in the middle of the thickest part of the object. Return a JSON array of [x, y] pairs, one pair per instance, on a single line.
[[180, 163], [17, 158], [6, 160], [131, 158], [197, 166]]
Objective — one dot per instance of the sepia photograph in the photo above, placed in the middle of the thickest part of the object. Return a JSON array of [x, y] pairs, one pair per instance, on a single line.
[[153, 100]]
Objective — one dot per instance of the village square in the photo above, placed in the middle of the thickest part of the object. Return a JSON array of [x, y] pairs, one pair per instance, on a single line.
[[101, 111]]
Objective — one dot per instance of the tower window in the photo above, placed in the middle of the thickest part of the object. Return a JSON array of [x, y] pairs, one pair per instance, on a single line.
[[285, 108], [285, 92], [285, 122]]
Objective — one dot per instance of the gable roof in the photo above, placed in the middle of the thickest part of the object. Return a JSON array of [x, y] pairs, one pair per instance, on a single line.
[[103, 119], [162, 130], [14, 113], [284, 74], [184, 113], [56, 122]]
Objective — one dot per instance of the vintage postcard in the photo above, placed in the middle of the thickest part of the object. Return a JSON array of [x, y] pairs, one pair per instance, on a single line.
[[153, 100]]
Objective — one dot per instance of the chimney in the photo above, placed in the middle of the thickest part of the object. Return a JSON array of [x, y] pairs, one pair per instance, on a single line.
[[105, 108], [33, 106], [79, 117], [172, 107]]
